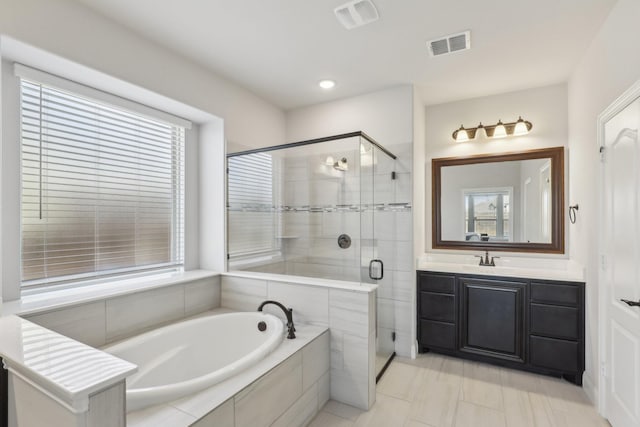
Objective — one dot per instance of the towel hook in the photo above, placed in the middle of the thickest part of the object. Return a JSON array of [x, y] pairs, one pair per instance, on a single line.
[[572, 213]]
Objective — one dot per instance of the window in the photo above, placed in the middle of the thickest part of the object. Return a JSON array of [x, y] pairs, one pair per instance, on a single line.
[[102, 188], [252, 219], [487, 214]]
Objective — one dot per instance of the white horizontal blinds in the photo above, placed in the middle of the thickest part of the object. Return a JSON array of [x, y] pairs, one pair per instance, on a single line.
[[102, 188], [252, 222]]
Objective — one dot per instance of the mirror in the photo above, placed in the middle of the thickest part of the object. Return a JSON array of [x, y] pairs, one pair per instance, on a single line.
[[510, 202]]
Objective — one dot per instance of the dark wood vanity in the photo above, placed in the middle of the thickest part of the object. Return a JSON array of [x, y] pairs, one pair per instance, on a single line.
[[523, 323]]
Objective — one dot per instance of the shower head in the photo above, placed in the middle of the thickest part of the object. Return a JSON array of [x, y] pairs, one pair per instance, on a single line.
[[341, 165]]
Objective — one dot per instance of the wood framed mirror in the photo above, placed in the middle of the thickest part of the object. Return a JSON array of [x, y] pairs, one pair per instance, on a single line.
[[510, 202]]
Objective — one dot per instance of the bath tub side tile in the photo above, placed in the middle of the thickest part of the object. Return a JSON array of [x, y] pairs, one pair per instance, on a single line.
[[310, 303], [201, 295], [262, 402], [156, 416], [84, 323], [132, 314], [315, 360], [243, 294], [223, 415], [349, 312], [324, 389], [302, 411], [107, 408]]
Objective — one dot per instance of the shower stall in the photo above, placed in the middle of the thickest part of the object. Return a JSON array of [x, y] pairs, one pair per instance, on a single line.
[[317, 208]]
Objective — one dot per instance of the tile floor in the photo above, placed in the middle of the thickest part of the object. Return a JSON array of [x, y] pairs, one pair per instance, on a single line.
[[441, 391]]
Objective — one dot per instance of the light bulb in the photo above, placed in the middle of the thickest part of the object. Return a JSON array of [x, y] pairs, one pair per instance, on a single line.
[[521, 127], [500, 131], [462, 135]]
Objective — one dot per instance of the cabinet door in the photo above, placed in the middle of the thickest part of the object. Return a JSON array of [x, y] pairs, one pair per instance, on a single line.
[[492, 318]]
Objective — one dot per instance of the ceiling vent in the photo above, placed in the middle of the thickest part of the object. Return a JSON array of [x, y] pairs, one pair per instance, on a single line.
[[356, 13], [450, 44]]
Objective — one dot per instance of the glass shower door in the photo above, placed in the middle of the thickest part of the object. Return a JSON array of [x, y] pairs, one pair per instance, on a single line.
[[377, 246]]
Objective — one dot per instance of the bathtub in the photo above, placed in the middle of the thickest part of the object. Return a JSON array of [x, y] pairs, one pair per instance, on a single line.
[[189, 356]]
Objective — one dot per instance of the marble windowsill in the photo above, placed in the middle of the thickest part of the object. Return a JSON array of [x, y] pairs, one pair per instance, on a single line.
[[51, 362], [53, 300]]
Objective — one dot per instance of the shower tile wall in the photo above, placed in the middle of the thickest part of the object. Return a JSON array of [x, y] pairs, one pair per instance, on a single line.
[[312, 249], [320, 204]]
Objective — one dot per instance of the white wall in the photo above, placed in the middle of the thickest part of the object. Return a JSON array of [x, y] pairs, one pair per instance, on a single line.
[[609, 67], [545, 108], [75, 32], [66, 32], [386, 116]]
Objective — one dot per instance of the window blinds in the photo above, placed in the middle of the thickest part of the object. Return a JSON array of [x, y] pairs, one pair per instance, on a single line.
[[102, 188], [252, 221]]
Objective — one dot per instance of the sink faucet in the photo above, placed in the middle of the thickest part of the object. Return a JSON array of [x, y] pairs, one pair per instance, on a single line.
[[485, 261], [288, 312]]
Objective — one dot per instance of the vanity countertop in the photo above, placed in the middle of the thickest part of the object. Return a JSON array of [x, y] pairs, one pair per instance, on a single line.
[[543, 269], [53, 362]]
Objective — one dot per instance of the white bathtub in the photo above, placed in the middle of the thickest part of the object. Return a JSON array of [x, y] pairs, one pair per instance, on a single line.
[[189, 356]]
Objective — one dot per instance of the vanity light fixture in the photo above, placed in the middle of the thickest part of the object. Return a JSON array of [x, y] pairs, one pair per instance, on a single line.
[[499, 130]]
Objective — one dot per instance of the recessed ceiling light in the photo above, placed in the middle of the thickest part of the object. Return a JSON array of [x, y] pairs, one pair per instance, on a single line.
[[326, 84]]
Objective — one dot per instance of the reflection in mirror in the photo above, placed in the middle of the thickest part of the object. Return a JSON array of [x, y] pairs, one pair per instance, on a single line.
[[508, 201]]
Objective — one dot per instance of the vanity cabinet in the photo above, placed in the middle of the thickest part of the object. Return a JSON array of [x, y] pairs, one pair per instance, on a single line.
[[530, 324]]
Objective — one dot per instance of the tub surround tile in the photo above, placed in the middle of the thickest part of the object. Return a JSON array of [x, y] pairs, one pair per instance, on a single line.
[[243, 294], [201, 295], [223, 415], [258, 404], [71, 297], [315, 361], [324, 389], [310, 304], [107, 408], [131, 314], [85, 323], [349, 312], [159, 416], [302, 411]]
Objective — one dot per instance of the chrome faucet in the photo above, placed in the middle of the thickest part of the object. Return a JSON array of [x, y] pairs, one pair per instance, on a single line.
[[287, 312], [485, 261]]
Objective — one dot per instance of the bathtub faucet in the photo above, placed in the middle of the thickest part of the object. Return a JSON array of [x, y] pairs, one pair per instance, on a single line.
[[288, 312]]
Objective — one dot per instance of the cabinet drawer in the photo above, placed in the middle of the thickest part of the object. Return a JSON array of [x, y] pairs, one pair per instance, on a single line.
[[554, 294], [437, 334], [554, 321], [437, 307], [554, 354], [436, 283]]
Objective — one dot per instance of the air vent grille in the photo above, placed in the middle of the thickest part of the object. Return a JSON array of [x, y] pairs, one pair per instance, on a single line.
[[450, 44], [356, 13]]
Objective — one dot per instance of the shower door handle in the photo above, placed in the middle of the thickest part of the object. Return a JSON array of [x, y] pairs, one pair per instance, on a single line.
[[371, 276]]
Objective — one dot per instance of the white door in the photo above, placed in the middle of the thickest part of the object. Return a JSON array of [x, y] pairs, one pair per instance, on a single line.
[[621, 276]]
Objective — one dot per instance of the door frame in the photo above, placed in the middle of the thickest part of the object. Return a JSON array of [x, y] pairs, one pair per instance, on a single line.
[[603, 368]]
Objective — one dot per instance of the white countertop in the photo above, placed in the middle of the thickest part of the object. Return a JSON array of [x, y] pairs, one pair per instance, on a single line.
[[523, 267], [52, 363]]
